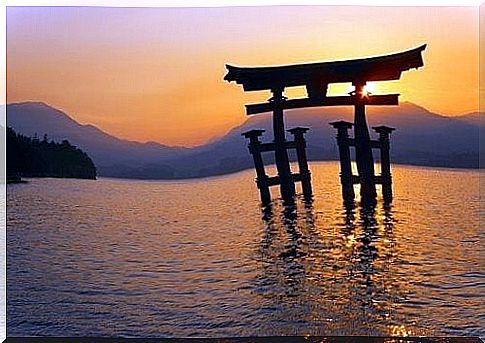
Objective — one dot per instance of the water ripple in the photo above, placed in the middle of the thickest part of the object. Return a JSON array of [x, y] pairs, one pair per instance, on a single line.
[[202, 258]]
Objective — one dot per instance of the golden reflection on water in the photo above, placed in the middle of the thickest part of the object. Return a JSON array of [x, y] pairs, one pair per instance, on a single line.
[[342, 274], [202, 258], [354, 270]]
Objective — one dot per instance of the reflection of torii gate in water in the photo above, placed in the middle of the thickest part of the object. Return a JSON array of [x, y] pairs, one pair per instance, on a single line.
[[316, 77]]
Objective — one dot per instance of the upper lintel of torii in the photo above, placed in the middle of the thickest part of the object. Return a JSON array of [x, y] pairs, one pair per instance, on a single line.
[[316, 77], [379, 68]]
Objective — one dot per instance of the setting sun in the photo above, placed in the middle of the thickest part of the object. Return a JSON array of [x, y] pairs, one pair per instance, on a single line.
[[370, 88], [175, 85]]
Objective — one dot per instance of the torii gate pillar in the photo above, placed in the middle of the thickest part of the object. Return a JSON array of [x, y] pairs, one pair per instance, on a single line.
[[287, 186], [363, 149]]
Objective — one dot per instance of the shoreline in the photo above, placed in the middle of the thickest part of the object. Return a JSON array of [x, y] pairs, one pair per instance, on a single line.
[[273, 165], [221, 175], [449, 169]]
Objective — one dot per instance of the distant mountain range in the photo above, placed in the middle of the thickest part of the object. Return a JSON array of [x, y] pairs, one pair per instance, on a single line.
[[422, 138], [37, 118]]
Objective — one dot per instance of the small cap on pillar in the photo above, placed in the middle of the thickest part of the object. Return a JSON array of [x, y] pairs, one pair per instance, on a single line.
[[383, 129], [252, 133], [342, 124], [298, 129]]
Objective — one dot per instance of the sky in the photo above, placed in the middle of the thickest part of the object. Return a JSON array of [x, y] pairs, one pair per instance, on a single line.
[[156, 74]]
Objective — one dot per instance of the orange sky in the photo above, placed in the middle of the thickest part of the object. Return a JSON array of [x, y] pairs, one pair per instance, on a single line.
[[156, 73]]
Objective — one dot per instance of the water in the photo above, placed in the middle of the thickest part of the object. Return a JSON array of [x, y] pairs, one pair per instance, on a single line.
[[202, 258], [3, 255]]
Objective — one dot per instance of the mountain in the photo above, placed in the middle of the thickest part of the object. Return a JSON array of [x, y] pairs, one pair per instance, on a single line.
[[421, 138], [108, 152], [475, 118]]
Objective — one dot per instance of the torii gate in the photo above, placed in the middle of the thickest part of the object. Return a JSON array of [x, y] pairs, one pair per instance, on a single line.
[[316, 77]]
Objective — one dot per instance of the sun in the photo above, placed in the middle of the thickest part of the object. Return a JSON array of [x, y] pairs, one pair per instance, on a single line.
[[369, 89]]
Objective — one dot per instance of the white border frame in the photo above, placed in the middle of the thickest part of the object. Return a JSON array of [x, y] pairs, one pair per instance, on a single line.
[[151, 3]]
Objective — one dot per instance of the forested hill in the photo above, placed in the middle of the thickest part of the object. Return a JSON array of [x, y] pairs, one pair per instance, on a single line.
[[31, 157]]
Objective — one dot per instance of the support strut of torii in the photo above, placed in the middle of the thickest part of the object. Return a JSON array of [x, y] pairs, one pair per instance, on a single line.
[[316, 77]]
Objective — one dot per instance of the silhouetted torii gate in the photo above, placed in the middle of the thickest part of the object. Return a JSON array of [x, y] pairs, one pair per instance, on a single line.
[[316, 77]]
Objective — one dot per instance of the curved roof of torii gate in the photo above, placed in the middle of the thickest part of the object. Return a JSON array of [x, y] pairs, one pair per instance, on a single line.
[[379, 68]]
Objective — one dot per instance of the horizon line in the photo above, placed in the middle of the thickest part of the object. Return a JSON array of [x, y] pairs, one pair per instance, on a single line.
[[210, 140]]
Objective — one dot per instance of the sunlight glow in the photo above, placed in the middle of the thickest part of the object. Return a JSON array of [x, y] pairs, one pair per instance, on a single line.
[[369, 88], [101, 64]]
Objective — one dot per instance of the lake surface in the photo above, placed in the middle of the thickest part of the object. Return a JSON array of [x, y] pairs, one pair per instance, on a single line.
[[202, 258]]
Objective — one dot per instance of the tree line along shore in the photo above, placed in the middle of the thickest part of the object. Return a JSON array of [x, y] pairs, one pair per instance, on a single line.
[[34, 157]]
